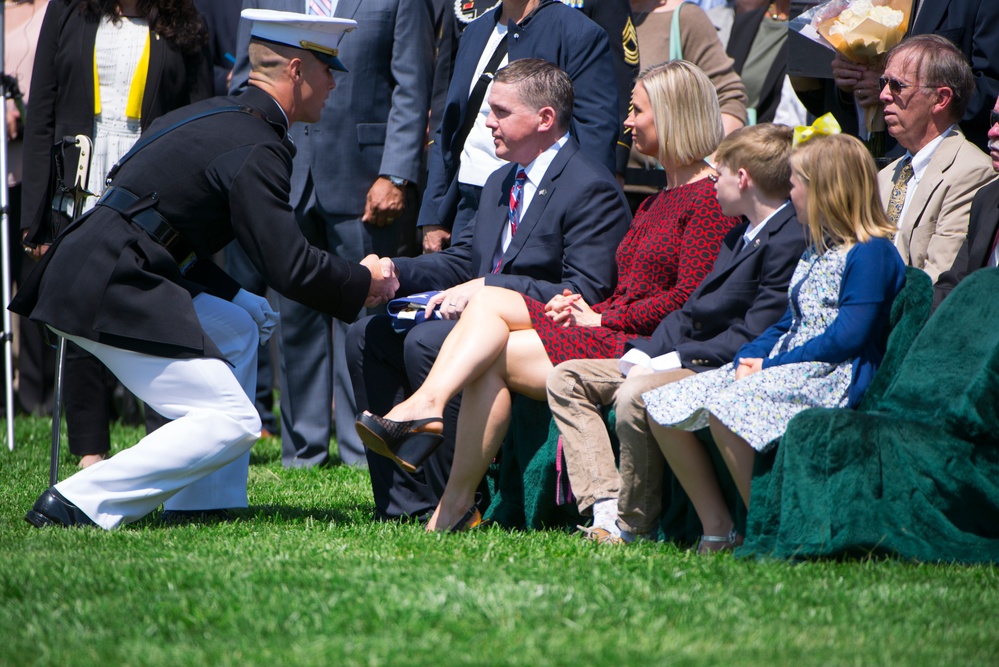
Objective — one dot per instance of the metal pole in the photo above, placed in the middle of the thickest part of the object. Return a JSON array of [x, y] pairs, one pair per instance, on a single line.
[[57, 414], [8, 331]]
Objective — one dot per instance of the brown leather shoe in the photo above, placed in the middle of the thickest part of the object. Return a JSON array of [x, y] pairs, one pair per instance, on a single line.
[[599, 535]]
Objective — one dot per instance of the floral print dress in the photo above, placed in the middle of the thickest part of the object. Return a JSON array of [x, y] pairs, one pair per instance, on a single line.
[[759, 407]]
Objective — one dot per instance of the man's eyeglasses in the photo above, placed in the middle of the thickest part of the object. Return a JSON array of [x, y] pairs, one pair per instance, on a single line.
[[896, 87]]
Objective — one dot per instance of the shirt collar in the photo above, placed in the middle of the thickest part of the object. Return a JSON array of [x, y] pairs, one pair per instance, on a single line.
[[539, 166], [921, 160], [752, 232]]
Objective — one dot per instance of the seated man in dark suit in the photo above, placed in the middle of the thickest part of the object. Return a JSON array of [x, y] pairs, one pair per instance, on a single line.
[[571, 217], [979, 248], [745, 293]]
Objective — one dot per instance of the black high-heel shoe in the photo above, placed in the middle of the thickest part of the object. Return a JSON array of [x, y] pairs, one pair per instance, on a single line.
[[402, 442]]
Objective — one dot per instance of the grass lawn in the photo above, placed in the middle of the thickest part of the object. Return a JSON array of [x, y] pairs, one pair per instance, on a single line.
[[304, 578]]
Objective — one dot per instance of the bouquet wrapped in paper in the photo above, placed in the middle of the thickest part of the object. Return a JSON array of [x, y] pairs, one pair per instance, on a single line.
[[862, 30]]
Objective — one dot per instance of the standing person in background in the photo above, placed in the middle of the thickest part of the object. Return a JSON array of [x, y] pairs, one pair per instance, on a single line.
[[614, 16], [462, 155], [222, 20], [351, 190], [700, 45], [35, 359], [105, 69]]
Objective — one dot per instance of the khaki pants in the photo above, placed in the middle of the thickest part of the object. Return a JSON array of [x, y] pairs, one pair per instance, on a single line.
[[576, 392]]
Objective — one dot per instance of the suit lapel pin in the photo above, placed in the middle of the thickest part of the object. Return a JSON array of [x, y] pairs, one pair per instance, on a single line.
[[542, 193]]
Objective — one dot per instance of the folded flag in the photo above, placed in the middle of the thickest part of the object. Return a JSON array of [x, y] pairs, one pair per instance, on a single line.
[[408, 311]]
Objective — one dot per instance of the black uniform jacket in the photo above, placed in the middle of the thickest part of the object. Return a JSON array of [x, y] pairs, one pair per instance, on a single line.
[[217, 178], [742, 297]]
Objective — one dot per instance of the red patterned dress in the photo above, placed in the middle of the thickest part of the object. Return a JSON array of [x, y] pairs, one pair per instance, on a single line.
[[670, 248]]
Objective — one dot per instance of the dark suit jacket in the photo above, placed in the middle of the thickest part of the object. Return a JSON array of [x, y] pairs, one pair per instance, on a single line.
[[614, 16], [566, 239], [375, 121], [62, 94], [216, 178], [974, 253], [743, 295], [221, 17], [558, 34]]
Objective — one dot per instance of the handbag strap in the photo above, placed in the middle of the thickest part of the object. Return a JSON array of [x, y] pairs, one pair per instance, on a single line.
[[478, 94], [675, 46]]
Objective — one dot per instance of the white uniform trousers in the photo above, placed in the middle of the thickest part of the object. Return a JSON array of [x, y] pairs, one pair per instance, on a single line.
[[226, 487], [215, 421]]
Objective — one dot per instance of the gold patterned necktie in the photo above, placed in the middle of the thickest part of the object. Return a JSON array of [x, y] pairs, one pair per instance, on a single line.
[[897, 201]]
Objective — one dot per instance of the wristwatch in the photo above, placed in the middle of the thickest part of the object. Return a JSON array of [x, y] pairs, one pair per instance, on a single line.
[[400, 183]]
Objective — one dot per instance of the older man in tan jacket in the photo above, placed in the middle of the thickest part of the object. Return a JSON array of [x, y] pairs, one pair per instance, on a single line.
[[926, 88]]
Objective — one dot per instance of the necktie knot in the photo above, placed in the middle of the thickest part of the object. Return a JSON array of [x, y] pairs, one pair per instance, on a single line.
[[320, 8]]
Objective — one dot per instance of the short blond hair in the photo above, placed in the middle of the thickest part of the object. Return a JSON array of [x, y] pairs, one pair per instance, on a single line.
[[684, 110], [844, 203], [764, 151]]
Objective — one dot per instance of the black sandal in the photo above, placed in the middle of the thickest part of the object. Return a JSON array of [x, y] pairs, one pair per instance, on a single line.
[[402, 442]]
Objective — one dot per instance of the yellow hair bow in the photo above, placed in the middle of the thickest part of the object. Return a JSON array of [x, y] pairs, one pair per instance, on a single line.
[[824, 125]]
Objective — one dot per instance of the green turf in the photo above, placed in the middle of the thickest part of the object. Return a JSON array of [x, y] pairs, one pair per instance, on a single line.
[[304, 578]]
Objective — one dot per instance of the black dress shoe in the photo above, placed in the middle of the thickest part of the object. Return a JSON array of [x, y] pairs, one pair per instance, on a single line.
[[179, 517], [52, 509]]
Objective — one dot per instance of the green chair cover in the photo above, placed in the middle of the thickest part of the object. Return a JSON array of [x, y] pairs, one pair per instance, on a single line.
[[914, 472]]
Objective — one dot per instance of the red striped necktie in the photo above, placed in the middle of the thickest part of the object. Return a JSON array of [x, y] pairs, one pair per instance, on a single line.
[[516, 199], [320, 8], [513, 215]]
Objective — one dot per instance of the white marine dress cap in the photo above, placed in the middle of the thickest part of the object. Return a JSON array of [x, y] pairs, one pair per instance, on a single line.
[[320, 35]]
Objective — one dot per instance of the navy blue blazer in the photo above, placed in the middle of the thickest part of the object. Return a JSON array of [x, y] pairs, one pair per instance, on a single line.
[[974, 253], [558, 34], [566, 239], [221, 17], [375, 121], [744, 294]]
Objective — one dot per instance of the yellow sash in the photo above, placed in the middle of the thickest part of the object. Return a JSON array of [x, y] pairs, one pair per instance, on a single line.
[[133, 108]]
